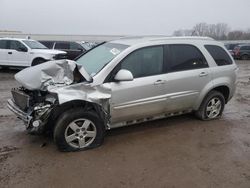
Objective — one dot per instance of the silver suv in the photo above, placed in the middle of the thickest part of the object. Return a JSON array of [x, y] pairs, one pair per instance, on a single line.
[[124, 82]]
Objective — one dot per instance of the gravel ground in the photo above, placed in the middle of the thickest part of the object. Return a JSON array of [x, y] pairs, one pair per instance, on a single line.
[[175, 152]]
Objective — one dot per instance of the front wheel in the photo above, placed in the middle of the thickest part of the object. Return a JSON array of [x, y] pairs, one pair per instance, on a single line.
[[77, 130], [212, 106], [38, 61]]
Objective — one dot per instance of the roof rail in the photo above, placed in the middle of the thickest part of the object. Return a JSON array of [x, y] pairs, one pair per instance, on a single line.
[[184, 37]]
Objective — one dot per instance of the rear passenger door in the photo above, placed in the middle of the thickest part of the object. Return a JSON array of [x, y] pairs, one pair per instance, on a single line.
[[188, 74]]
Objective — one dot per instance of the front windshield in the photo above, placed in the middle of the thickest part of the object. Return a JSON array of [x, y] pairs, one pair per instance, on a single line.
[[94, 60], [34, 44]]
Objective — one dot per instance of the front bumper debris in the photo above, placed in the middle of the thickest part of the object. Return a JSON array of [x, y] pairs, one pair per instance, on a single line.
[[35, 120], [19, 113]]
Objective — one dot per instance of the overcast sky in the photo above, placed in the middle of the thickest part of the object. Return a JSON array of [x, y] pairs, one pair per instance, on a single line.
[[119, 17]]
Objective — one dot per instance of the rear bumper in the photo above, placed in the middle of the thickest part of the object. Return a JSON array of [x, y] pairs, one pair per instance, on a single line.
[[18, 112]]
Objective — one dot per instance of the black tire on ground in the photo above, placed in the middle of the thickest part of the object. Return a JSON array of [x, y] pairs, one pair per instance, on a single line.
[[205, 110], [244, 57], [78, 117], [37, 61]]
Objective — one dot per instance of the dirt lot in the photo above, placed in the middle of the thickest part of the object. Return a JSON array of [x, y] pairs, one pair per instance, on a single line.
[[175, 152]]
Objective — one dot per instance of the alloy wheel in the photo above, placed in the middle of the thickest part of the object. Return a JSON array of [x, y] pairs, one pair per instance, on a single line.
[[80, 133]]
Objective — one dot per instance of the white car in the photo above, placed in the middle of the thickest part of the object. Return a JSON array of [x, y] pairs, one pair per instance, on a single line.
[[25, 52]]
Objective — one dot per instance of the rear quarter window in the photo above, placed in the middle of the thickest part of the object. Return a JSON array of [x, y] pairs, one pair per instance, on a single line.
[[219, 55]]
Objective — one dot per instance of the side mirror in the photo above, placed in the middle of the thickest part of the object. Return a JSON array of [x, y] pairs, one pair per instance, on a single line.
[[22, 49], [124, 75]]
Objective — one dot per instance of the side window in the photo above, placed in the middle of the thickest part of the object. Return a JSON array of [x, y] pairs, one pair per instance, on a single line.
[[3, 44], [62, 45], [144, 62], [243, 48], [16, 45], [219, 55], [75, 46], [48, 44], [185, 57]]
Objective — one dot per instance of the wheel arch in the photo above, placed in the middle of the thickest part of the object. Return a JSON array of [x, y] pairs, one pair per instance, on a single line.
[[85, 105], [222, 88], [37, 58]]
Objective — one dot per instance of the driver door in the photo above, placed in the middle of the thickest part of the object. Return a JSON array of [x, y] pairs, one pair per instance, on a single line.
[[144, 95]]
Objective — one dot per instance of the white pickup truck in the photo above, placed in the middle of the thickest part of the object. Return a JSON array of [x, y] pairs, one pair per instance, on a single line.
[[25, 52]]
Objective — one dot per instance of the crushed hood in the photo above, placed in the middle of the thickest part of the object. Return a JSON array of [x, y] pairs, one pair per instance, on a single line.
[[59, 72]]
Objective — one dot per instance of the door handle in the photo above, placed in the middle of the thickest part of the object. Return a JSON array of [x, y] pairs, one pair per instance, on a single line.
[[158, 82], [9, 52], [203, 74]]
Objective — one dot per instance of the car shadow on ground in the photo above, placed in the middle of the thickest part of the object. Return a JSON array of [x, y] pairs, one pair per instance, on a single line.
[[10, 70]]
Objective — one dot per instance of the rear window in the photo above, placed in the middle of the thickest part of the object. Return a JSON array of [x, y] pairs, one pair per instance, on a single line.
[[219, 55]]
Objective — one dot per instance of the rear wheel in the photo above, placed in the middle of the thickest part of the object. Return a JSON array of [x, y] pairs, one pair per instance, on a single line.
[[78, 130], [212, 106]]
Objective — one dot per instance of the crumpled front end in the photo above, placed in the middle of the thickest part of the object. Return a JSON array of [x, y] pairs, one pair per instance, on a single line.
[[52, 73], [33, 108], [45, 88]]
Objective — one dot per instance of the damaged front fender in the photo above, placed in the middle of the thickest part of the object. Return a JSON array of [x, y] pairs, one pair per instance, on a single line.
[[86, 92], [55, 86]]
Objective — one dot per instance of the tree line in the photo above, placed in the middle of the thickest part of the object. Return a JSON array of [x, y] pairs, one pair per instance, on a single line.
[[219, 31]]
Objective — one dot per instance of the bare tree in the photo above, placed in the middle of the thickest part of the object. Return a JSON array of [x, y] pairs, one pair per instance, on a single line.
[[235, 35], [219, 31], [200, 29]]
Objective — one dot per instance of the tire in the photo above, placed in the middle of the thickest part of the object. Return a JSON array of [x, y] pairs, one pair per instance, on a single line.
[[77, 130], [244, 57], [212, 106], [37, 61]]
